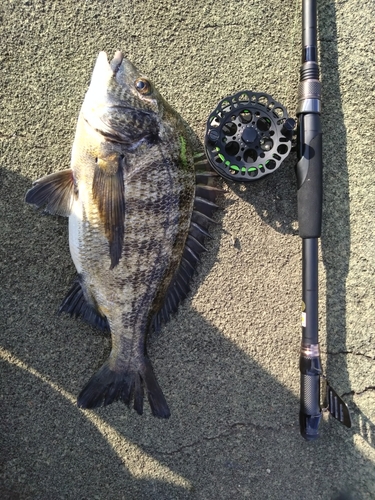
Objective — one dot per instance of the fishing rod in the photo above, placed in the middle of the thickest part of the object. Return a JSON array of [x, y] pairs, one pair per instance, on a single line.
[[248, 136]]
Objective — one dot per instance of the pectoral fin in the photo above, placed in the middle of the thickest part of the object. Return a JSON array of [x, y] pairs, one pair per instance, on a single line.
[[54, 192], [108, 194]]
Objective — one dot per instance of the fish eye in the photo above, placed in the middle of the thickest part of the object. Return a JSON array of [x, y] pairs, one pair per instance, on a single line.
[[143, 86]]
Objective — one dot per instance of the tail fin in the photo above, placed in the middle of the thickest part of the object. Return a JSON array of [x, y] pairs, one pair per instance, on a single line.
[[107, 386]]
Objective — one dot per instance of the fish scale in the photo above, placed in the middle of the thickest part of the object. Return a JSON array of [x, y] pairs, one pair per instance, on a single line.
[[139, 207]]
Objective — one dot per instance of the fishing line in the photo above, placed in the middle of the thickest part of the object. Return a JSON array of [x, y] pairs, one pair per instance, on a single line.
[[286, 88], [79, 19]]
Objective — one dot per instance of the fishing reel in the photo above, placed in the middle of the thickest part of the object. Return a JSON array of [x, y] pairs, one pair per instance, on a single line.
[[248, 136]]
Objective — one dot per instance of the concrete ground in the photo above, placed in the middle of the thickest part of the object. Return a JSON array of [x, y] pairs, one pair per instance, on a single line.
[[228, 361]]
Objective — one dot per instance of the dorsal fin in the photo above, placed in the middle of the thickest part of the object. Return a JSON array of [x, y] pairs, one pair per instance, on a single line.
[[108, 194], [204, 207]]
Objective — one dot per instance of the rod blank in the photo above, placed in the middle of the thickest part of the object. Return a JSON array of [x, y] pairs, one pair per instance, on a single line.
[[309, 199]]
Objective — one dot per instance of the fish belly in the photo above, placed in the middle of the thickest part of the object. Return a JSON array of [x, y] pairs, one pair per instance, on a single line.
[[75, 232]]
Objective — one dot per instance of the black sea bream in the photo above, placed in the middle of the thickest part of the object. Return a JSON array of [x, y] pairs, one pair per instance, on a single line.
[[139, 204]]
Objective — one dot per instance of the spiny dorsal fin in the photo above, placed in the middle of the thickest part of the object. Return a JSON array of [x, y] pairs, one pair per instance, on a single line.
[[208, 192], [108, 194], [204, 206], [55, 192]]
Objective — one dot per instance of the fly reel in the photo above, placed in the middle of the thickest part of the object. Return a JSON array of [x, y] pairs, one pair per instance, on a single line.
[[248, 136]]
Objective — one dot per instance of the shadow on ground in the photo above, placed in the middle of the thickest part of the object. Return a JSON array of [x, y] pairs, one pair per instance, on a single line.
[[233, 430]]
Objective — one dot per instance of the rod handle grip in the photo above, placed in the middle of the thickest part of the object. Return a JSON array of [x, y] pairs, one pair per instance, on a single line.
[[310, 413], [309, 172]]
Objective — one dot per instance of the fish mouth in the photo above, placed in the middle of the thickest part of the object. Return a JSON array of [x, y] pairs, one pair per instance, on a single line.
[[116, 62], [110, 108]]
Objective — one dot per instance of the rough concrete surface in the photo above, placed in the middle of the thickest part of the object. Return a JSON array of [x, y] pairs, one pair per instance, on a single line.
[[228, 361]]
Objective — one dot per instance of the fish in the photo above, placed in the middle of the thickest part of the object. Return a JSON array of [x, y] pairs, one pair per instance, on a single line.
[[139, 203]]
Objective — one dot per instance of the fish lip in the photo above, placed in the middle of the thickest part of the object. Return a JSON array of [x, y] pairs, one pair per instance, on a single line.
[[116, 62]]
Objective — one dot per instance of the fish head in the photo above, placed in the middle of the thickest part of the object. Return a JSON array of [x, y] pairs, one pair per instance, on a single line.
[[122, 104]]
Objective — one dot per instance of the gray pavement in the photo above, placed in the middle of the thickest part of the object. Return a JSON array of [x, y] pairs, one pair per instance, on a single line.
[[228, 361]]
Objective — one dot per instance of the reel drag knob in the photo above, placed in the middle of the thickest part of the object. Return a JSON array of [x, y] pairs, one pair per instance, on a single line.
[[248, 136]]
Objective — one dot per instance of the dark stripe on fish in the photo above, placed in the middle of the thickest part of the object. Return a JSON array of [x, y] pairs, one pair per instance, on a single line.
[[155, 206]]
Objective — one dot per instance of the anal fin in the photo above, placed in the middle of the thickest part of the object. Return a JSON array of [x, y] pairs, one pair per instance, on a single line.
[[54, 192], [76, 304]]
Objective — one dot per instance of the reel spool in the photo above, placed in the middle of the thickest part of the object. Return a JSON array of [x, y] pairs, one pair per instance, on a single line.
[[248, 136]]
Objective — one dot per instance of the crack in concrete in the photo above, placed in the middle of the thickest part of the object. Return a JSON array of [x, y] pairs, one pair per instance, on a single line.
[[331, 353], [225, 433], [14, 135], [220, 26], [358, 393]]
